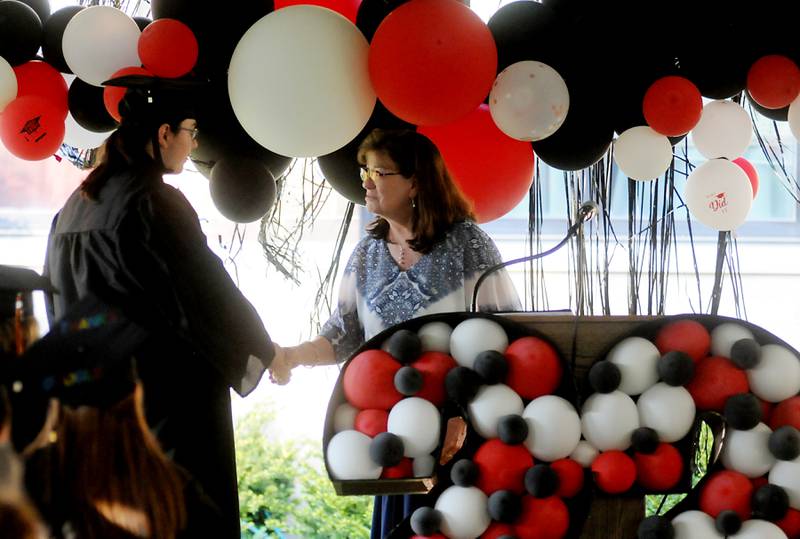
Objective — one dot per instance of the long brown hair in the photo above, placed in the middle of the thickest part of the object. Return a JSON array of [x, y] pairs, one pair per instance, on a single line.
[[109, 456], [439, 202]]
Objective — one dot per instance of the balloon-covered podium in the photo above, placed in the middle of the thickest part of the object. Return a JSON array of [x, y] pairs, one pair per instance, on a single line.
[[550, 425]]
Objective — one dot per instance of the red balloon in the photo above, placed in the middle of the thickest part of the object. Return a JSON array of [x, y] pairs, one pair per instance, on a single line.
[[497, 530], [434, 367], [369, 380], [786, 413], [112, 95], [542, 518], [716, 379], [766, 409], [660, 470], [32, 127], [750, 170], [404, 469], [687, 336], [570, 477], [759, 482], [773, 81], [614, 472], [502, 466], [372, 422], [168, 48], [534, 368], [348, 8], [727, 490], [432, 61], [493, 170], [790, 524], [672, 106], [41, 79]]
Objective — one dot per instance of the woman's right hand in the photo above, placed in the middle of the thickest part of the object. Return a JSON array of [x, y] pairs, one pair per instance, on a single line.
[[280, 370]]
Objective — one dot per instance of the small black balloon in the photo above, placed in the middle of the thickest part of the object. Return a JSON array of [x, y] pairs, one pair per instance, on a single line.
[[742, 411], [644, 440], [408, 380], [54, 34], [464, 473], [655, 527], [728, 522], [462, 384], [541, 481], [386, 449], [784, 443], [505, 506], [604, 377], [404, 345], [770, 502], [676, 368], [512, 429], [746, 353], [242, 189], [426, 521], [492, 366]]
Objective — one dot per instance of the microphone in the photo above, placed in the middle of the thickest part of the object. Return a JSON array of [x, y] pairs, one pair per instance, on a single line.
[[585, 213]]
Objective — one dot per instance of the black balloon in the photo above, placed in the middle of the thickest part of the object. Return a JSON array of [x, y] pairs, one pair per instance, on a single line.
[[41, 7], [655, 527], [742, 411], [746, 353], [770, 502], [676, 368], [87, 107], [784, 443], [778, 115], [20, 32], [404, 345], [505, 506], [464, 473], [644, 440], [492, 366], [142, 22], [386, 449], [408, 380], [512, 429], [728, 522], [54, 33], [525, 31], [462, 384], [242, 189], [426, 521], [604, 377], [541, 481]]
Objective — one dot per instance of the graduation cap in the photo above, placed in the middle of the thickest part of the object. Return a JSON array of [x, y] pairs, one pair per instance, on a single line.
[[15, 281], [150, 101]]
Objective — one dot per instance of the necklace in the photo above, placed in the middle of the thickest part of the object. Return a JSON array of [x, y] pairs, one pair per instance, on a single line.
[[402, 260]]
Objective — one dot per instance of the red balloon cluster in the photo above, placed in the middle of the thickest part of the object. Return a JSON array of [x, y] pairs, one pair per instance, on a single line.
[[369, 380], [773, 81], [672, 106], [168, 48]]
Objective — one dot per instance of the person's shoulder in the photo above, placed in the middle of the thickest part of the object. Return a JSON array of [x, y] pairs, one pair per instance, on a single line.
[[468, 231]]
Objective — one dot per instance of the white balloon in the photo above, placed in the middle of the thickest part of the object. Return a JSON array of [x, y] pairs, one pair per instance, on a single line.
[[529, 100], [642, 153], [344, 417], [794, 118], [725, 335], [465, 513], [724, 130], [417, 422], [747, 452], [8, 84], [435, 337], [476, 335], [348, 456], [777, 375], [490, 404], [637, 359], [99, 41], [668, 410], [554, 428], [584, 453], [423, 465], [758, 529], [695, 525], [80, 137], [299, 81], [609, 419], [719, 194], [786, 474]]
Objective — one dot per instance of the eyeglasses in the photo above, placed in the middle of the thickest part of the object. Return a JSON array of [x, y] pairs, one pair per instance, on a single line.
[[376, 173], [193, 130]]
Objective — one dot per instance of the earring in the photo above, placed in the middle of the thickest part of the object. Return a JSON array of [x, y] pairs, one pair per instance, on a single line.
[[413, 203]]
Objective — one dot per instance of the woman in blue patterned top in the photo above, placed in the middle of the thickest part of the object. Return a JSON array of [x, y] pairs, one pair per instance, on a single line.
[[422, 255]]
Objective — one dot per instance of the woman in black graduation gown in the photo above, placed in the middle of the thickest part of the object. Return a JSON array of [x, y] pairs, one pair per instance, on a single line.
[[133, 241]]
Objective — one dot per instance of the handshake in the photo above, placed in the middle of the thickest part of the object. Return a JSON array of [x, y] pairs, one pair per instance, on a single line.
[[310, 353]]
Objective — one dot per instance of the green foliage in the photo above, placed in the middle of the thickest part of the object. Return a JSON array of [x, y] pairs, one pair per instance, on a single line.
[[284, 490]]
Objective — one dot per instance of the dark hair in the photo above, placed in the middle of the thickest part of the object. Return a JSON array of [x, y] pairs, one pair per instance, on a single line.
[[127, 146], [439, 203]]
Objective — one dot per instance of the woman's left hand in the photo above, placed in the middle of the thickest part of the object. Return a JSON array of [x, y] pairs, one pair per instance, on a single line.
[[280, 370]]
